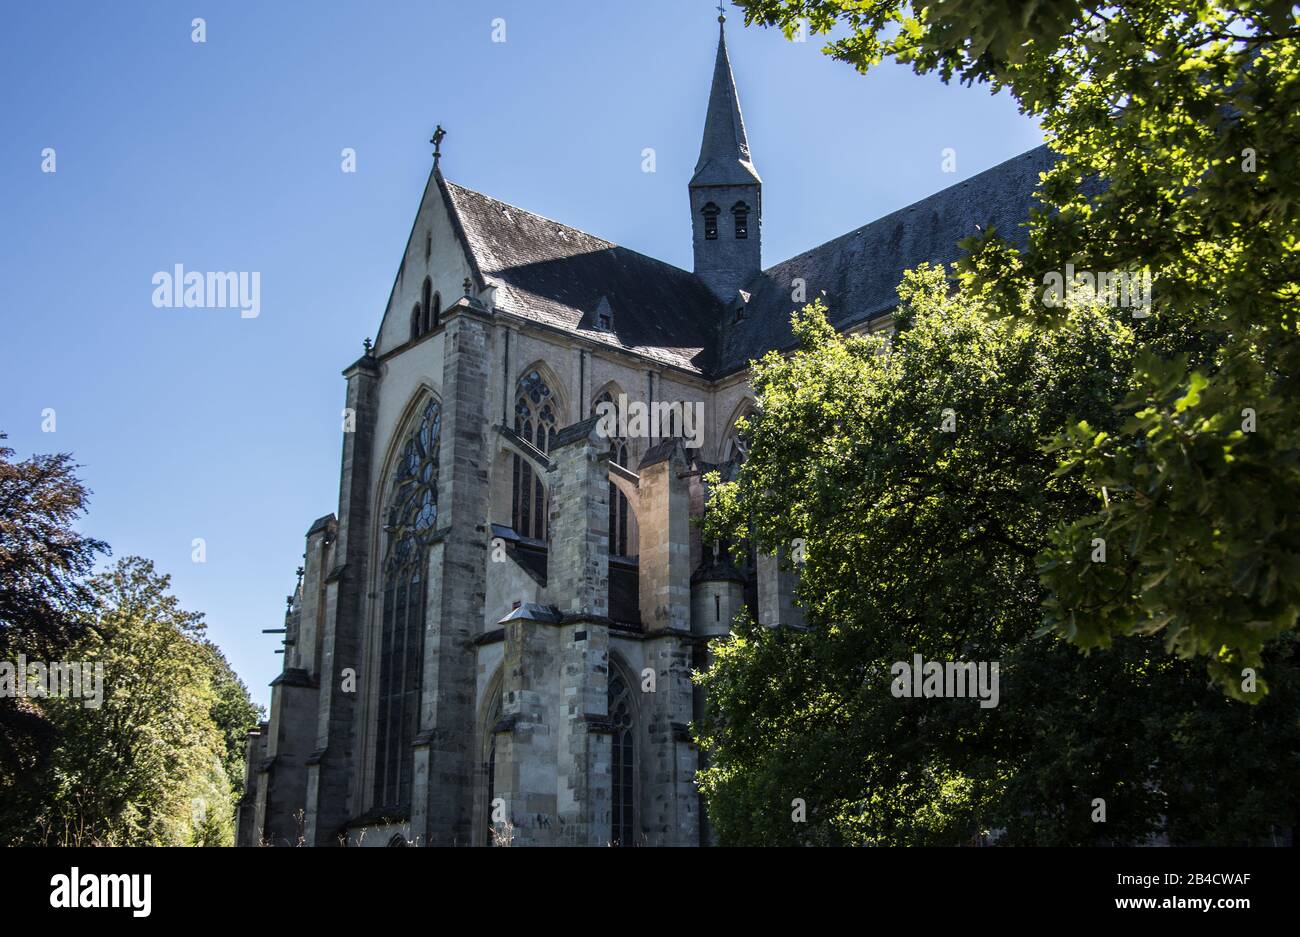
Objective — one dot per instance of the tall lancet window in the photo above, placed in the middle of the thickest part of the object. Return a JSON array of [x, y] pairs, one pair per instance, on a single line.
[[740, 211], [618, 506], [711, 212], [622, 767], [535, 421], [733, 458], [410, 521], [490, 766]]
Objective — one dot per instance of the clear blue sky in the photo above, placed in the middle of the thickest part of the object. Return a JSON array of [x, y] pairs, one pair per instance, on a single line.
[[226, 156]]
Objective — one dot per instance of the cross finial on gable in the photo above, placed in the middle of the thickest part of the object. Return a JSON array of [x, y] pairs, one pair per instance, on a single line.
[[366, 345], [436, 140]]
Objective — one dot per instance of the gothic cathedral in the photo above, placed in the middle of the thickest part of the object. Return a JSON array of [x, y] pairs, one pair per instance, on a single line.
[[492, 640]]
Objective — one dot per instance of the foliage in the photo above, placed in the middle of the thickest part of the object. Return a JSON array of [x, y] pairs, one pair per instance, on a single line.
[[146, 767], [233, 711], [160, 761], [1184, 120], [918, 540], [43, 560]]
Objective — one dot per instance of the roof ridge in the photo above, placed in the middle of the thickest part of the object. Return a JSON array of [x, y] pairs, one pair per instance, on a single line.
[[911, 205]]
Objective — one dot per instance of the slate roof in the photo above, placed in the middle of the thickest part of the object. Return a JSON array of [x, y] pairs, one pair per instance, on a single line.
[[558, 275], [724, 146], [860, 271]]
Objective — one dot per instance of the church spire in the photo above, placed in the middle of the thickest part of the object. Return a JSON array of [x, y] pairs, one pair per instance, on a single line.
[[726, 192], [724, 150]]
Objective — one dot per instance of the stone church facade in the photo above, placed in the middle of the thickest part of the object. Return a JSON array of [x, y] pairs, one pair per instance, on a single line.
[[492, 639]]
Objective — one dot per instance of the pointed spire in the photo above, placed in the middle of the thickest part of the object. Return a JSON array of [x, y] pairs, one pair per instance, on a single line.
[[724, 151]]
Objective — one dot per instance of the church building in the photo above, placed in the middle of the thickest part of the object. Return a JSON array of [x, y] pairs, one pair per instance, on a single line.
[[491, 640]]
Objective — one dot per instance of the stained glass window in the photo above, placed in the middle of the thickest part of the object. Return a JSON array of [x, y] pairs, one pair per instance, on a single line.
[[622, 767], [535, 421], [618, 506], [410, 521]]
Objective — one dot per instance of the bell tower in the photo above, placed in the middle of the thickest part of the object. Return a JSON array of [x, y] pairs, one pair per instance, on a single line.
[[726, 192]]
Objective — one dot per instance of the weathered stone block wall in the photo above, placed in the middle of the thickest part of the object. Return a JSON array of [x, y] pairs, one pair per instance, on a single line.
[[777, 581], [526, 740], [445, 746], [669, 802], [331, 766], [251, 812], [665, 540]]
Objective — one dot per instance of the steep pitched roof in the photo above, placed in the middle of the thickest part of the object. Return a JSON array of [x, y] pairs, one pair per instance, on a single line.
[[724, 148], [859, 271], [557, 275], [560, 276]]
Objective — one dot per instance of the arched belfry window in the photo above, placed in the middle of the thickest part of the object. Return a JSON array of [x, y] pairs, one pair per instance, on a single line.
[[426, 303], [618, 506], [410, 520], [435, 311], [415, 322], [740, 211], [535, 421], [710, 212], [622, 764]]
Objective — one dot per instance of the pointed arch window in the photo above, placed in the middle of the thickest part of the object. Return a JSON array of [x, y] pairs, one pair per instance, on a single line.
[[490, 765], [740, 212], [536, 422], [618, 506], [711, 212], [410, 520], [736, 453], [622, 761], [415, 322], [426, 301], [737, 445], [435, 311]]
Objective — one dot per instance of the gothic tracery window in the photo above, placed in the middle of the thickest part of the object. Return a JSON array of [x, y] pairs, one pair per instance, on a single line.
[[535, 421], [409, 521], [618, 505], [622, 766], [490, 764], [733, 458]]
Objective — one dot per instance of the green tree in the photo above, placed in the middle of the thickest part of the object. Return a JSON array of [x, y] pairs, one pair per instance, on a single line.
[[149, 766], [1185, 118], [233, 711], [913, 472], [43, 563]]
